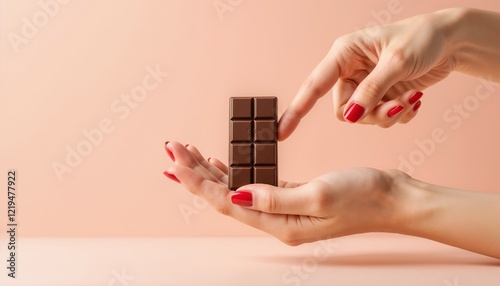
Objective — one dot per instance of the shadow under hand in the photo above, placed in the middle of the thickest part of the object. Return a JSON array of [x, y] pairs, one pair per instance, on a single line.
[[389, 259]]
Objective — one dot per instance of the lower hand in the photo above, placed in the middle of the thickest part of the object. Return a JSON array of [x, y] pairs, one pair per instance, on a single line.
[[335, 204]]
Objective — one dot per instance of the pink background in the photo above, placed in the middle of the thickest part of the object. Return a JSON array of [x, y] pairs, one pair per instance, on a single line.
[[70, 75]]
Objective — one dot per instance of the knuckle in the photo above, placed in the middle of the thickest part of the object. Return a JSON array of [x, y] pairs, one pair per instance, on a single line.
[[290, 237], [322, 202], [371, 89], [269, 203], [321, 199], [384, 125], [293, 243], [397, 59], [343, 41], [398, 173]]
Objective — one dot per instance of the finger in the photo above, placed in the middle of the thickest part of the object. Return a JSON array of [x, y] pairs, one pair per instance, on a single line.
[[410, 115], [221, 176], [218, 164], [388, 113], [414, 104], [316, 85], [342, 91], [169, 153], [303, 200], [371, 90], [215, 193], [185, 158]]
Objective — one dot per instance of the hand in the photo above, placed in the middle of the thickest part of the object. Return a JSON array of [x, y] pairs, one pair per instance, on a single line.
[[335, 204], [377, 73]]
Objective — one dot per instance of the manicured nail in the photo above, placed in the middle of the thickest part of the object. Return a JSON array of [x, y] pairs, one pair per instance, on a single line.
[[186, 145], [417, 105], [171, 176], [170, 154], [354, 112], [415, 97], [395, 110], [242, 199]]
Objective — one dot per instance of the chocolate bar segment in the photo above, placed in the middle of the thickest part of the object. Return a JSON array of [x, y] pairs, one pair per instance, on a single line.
[[264, 175], [265, 107], [240, 176], [242, 108], [265, 130], [253, 147], [240, 131], [265, 154], [241, 154]]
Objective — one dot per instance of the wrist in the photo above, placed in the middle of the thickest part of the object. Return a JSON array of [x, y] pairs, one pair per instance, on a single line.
[[416, 206], [459, 218], [451, 24], [472, 40]]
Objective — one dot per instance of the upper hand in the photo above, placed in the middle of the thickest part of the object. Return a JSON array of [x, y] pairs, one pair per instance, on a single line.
[[380, 69]]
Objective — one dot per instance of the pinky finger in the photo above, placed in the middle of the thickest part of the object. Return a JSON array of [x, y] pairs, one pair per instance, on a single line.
[[221, 166]]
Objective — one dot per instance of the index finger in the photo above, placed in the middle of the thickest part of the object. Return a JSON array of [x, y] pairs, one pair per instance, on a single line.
[[316, 85]]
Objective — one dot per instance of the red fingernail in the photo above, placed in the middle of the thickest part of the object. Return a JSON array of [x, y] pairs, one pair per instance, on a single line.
[[417, 105], [354, 112], [395, 110], [170, 154], [209, 159], [242, 199], [415, 97], [186, 145], [171, 176]]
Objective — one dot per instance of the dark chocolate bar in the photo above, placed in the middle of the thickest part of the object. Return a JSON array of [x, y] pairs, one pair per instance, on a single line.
[[253, 146]]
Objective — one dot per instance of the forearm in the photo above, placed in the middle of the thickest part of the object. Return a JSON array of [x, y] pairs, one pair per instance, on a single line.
[[474, 40], [468, 220]]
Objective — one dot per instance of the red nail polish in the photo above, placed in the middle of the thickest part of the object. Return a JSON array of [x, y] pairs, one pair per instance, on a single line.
[[171, 177], [417, 105], [415, 97], [186, 145], [208, 160], [395, 110], [242, 199], [170, 154], [354, 112]]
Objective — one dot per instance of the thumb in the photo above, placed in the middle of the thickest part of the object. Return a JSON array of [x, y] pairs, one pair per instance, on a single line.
[[276, 200], [371, 90]]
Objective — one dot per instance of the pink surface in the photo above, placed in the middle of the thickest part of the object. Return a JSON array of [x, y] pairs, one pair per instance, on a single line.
[[375, 260], [67, 87]]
